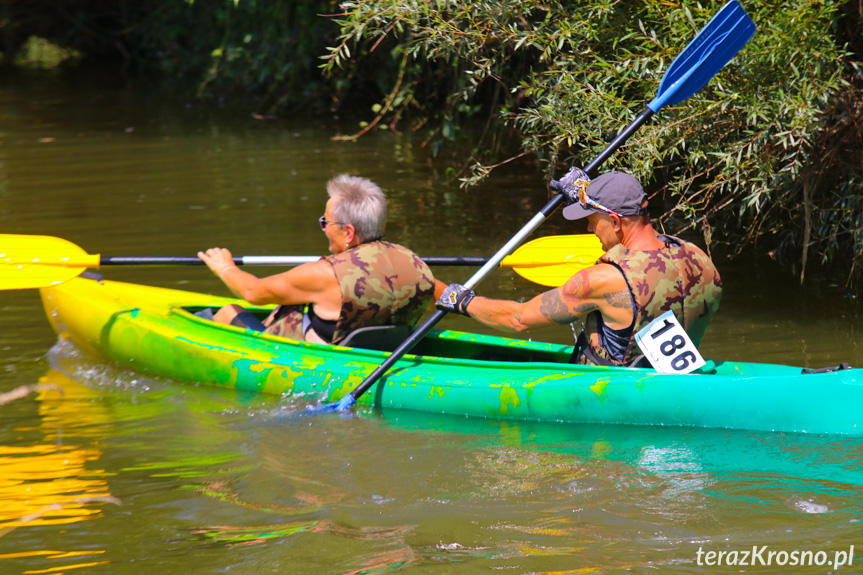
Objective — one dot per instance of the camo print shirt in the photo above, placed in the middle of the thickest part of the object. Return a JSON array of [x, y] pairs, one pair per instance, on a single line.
[[678, 277], [381, 284]]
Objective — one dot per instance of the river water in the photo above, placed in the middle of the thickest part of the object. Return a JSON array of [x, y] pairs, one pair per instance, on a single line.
[[106, 470]]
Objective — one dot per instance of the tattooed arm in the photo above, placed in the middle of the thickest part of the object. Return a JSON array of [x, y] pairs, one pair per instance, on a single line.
[[600, 287]]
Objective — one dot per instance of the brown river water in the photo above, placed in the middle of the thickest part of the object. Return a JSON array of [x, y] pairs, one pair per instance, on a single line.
[[125, 473]]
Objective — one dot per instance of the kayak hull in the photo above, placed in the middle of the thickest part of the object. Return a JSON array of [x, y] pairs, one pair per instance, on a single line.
[[152, 330]]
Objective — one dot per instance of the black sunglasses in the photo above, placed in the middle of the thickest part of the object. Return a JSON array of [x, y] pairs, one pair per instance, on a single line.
[[324, 222]]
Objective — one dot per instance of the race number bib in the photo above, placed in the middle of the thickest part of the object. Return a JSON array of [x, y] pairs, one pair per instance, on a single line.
[[667, 346]]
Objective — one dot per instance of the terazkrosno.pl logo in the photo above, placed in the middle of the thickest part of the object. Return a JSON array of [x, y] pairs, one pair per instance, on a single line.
[[763, 556]]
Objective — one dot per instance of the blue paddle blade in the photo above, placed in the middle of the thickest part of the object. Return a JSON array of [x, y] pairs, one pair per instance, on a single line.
[[344, 404], [717, 43]]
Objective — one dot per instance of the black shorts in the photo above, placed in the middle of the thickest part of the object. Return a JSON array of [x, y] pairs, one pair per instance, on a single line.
[[248, 320]]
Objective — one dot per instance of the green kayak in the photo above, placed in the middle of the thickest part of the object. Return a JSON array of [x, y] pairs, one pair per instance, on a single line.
[[155, 330]]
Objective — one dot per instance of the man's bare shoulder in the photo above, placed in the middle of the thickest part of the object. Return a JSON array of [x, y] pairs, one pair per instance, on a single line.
[[599, 287], [597, 280]]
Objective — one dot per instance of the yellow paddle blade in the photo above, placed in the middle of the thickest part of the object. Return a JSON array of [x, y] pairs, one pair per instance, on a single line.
[[552, 260], [39, 261]]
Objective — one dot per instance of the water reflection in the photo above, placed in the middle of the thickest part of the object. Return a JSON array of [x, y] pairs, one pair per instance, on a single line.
[[660, 451], [397, 553], [53, 478], [392, 490]]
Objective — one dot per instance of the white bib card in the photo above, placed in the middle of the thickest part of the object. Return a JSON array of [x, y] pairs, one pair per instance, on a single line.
[[664, 342]]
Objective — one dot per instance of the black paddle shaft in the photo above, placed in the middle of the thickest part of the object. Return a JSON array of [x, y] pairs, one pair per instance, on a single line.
[[240, 260], [623, 136]]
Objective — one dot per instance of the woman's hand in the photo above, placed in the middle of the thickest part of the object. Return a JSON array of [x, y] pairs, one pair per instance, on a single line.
[[219, 260]]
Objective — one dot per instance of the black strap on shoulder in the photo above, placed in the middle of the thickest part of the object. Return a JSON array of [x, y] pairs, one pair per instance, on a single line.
[[583, 349], [580, 344], [668, 240]]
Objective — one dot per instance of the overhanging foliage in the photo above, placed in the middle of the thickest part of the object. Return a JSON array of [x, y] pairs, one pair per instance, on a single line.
[[765, 153]]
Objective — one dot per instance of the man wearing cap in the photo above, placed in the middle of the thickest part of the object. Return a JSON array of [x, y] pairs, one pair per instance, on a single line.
[[641, 276]]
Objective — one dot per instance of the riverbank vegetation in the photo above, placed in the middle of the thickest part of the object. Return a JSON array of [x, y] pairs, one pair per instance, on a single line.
[[766, 156]]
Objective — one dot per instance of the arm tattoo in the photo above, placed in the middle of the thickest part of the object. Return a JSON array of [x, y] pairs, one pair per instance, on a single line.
[[553, 308], [622, 298], [563, 312], [579, 283], [565, 304]]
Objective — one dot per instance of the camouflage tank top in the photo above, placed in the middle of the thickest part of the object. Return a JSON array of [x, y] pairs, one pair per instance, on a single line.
[[381, 284], [678, 277]]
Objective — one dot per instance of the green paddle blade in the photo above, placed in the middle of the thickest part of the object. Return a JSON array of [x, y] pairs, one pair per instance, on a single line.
[[39, 261]]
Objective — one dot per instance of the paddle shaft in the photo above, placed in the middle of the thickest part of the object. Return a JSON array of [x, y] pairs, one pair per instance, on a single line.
[[495, 260], [264, 260]]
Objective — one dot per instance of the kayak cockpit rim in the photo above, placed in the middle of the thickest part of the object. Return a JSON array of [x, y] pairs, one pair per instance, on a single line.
[[439, 346]]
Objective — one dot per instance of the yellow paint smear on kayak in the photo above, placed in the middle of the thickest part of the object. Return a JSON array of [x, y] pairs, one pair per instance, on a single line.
[[348, 385], [250, 375], [508, 398], [280, 380], [439, 389], [599, 387], [262, 376], [212, 349], [271, 375]]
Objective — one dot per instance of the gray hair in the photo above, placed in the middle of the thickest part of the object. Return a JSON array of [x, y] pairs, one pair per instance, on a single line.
[[359, 202]]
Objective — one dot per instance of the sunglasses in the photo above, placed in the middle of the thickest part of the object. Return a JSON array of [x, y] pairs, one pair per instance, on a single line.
[[325, 222], [587, 202]]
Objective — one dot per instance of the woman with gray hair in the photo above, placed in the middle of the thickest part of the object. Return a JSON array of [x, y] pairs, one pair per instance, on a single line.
[[366, 282]]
